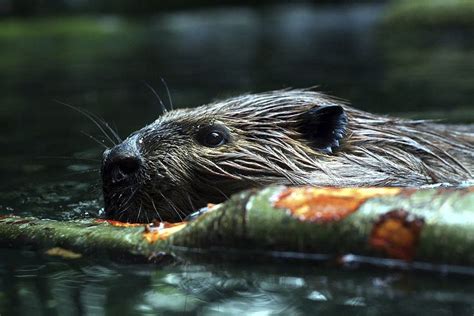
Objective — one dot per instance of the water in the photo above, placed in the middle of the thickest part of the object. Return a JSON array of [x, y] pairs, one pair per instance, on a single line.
[[49, 168]]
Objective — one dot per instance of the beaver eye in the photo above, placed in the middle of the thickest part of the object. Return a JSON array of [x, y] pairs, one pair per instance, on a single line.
[[212, 136]]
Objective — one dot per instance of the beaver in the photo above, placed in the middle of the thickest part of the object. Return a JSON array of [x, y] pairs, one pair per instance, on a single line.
[[194, 156]]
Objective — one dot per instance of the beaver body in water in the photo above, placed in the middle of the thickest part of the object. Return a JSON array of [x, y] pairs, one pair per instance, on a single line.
[[190, 157]]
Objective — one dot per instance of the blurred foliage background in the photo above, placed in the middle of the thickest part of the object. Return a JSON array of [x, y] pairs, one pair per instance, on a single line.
[[409, 57], [412, 58]]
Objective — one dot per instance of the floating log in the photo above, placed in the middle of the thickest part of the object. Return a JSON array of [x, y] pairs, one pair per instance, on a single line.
[[433, 225]]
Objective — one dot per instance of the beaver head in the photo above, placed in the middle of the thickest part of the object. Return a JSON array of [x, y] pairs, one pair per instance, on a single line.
[[190, 157]]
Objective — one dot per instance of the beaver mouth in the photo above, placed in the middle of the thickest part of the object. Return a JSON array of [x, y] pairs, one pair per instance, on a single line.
[[138, 206], [129, 187], [135, 192]]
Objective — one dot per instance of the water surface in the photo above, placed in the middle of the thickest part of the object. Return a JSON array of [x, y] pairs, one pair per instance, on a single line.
[[49, 166]]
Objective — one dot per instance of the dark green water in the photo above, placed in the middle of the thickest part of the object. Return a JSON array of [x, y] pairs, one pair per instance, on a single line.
[[49, 168]]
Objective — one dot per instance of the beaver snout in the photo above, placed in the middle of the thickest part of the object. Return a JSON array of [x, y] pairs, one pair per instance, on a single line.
[[121, 164]]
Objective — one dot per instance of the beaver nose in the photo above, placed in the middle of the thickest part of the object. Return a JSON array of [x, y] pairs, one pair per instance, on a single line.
[[120, 163]]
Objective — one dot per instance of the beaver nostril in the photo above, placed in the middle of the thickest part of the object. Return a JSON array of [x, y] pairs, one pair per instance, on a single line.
[[128, 165], [120, 164]]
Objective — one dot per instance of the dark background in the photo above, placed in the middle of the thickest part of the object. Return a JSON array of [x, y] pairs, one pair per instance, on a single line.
[[413, 58]]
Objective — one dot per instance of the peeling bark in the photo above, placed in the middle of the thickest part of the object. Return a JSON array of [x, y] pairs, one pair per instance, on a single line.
[[433, 225]]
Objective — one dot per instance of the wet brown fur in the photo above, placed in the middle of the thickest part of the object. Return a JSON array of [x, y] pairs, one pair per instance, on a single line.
[[267, 147]]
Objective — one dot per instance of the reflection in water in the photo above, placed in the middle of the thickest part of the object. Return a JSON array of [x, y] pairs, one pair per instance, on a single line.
[[100, 63], [75, 287]]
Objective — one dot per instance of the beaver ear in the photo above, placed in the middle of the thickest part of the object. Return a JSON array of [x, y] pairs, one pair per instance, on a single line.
[[324, 127]]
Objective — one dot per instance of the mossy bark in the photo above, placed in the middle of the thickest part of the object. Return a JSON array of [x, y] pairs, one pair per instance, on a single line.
[[428, 225]]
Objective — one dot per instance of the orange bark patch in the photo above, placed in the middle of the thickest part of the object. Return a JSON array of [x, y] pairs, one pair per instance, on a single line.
[[396, 234], [161, 230], [327, 204], [118, 223], [153, 232]]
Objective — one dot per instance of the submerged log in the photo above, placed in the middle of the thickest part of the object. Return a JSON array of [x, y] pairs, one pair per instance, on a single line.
[[433, 225]]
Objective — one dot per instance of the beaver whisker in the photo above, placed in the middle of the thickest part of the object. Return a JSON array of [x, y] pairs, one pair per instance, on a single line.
[[76, 173], [190, 201], [122, 213], [128, 202], [101, 143], [120, 193], [168, 92], [99, 122], [139, 212], [218, 190], [172, 205], [154, 206], [163, 107], [69, 158]]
